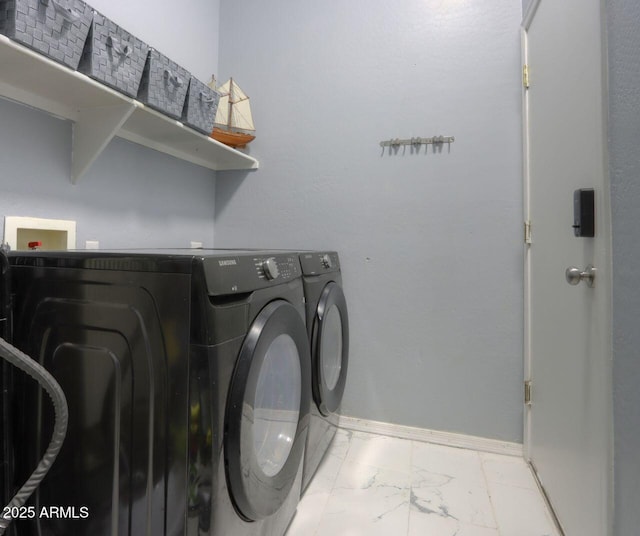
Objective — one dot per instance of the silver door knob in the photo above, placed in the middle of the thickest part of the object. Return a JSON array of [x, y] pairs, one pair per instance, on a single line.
[[575, 275]]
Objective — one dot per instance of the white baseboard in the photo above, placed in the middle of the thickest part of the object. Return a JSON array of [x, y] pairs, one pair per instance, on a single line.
[[432, 436]]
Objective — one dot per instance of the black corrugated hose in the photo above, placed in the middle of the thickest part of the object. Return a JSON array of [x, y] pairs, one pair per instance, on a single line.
[[50, 385]]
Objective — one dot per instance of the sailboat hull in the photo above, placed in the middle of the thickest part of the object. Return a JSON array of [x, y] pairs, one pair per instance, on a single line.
[[232, 139]]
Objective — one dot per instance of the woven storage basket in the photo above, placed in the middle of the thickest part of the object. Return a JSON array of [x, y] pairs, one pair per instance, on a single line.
[[56, 28], [200, 106], [164, 85], [113, 56]]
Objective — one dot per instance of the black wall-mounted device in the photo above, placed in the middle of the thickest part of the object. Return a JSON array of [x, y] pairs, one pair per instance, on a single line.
[[584, 212]]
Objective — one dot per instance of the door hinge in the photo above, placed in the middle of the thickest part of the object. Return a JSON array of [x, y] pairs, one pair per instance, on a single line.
[[527, 232], [527, 392], [525, 76]]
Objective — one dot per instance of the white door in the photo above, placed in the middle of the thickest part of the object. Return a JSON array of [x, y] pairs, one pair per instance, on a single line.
[[568, 328]]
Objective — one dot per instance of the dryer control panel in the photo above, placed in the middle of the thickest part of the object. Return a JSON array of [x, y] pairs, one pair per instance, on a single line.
[[319, 262], [244, 273]]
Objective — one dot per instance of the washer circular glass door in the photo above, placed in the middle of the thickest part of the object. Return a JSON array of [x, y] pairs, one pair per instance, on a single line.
[[276, 407], [330, 349], [267, 406]]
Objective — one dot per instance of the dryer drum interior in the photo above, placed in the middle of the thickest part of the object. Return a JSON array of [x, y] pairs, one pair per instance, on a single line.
[[330, 348], [268, 401]]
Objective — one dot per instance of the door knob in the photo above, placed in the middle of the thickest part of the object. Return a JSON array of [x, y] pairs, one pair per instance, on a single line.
[[575, 275]]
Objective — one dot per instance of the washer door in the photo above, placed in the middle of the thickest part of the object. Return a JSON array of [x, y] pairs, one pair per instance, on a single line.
[[330, 349], [267, 411]]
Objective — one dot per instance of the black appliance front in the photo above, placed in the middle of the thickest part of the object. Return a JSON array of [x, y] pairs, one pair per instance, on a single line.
[[328, 327], [118, 345], [249, 396], [267, 406], [187, 378], [330, 348], [328, 331]]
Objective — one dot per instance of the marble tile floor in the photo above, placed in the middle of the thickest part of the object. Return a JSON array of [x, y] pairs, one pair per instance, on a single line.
[[382, 486]]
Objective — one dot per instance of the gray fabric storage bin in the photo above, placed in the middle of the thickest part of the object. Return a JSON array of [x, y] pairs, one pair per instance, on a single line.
[[164, 85], [56, 28], [200, 106], [113, 56]]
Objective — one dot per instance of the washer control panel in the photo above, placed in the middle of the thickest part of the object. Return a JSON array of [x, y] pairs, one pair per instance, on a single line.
[[319, 262], [270, 268], [244, 273]]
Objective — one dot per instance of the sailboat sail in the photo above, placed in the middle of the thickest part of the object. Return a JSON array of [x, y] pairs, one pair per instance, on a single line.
[[241, 116], [233, 100], [222, 114]]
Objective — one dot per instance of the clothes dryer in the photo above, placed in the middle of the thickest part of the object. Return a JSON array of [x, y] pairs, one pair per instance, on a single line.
[[328, 330], [187, 375]]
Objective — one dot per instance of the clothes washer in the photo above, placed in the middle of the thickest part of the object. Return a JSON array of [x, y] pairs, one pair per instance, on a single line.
[[328, 330], [187, 375]]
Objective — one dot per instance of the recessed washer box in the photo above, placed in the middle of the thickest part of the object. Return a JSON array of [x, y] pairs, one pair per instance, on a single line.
[[54, 234]]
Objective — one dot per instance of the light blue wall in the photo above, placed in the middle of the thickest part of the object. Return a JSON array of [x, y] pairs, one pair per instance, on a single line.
[[431, 242], [132, 196], [623, 20]]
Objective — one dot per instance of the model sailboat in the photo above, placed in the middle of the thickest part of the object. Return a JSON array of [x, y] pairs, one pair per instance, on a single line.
[[233, 124]]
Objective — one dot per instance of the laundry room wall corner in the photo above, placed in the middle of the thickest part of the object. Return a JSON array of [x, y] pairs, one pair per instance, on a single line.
[[132, 196], [430, 239]]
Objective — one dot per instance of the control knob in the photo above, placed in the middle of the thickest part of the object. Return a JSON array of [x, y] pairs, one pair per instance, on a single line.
[[326, 261], [270, 268]]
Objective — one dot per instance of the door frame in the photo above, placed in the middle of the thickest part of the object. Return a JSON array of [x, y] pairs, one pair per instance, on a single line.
[[526, 22], [605, 207]]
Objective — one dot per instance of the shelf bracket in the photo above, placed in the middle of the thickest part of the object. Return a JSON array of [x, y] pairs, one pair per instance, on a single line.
[[93, 129]]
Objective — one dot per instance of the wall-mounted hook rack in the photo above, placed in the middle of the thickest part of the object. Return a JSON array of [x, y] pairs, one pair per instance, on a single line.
[[435, 140]]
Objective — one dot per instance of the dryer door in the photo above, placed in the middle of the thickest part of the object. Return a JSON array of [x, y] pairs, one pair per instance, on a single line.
[[267, 411], [330, 348]]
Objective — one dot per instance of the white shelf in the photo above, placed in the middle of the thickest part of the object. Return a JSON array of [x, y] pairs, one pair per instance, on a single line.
[[100, 113]]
